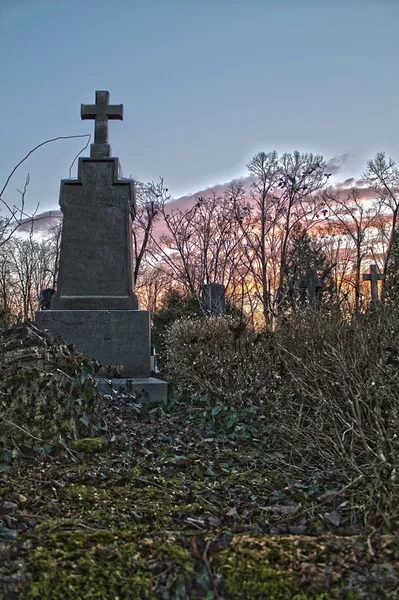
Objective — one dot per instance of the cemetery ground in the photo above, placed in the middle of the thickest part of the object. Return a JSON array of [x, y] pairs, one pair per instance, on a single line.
[[269, 474]]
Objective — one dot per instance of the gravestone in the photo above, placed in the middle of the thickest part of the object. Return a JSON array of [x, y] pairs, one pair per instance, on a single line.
[[310, 288], [45, 298], [95, 307], [374, 277], [213, 299]]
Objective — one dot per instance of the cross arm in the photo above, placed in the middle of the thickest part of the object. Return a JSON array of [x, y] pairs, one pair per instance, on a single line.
[[115, 111], [370, 277], [87, 111]]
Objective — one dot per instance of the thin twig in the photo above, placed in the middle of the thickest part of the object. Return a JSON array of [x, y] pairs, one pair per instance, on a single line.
[[71, 525], [78, 154], [21, 428], [61, 137], [211, 577], [66, 375]]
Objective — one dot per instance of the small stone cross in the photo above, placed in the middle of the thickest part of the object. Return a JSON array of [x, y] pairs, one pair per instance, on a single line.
[[101, 112], [373, 277]]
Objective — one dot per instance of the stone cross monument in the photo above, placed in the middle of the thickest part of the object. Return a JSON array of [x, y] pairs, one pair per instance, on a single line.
[[374, 277], [101, 111], [95, 307]]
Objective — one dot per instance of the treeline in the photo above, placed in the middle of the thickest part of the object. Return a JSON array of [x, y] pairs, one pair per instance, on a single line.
[[260, 238], [263, 236]]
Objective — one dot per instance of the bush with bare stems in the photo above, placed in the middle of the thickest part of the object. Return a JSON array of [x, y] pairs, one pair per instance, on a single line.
[[326, 389]]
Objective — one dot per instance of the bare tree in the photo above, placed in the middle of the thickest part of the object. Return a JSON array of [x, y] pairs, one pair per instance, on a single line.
[[150, 197], [282, 196], [355, 219], [152, 285], [202, 243], [30, 266], [383, 175]]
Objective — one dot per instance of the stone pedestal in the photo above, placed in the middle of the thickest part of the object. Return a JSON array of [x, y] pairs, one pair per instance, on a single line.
[[113, 337]]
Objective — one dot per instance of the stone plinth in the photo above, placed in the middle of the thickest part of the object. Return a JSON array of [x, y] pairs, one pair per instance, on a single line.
[[113, 337]]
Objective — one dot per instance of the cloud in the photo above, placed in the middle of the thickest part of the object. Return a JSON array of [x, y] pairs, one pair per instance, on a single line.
[[190, 199], [41, 223], [335, 164], [344, 185]]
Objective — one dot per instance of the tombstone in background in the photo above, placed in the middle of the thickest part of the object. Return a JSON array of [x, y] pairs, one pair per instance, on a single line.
[[95, 307], [45, 298], [213, 299], [374, 277], [310, 288]]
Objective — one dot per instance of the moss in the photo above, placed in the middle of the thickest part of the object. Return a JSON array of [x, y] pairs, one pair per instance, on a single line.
[[106, 565], [88, 445], [268, 568], [249, 573], [116, 505]]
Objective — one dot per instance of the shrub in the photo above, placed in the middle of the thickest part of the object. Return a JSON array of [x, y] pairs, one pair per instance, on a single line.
[[174, 307], [47, 390], [340, 392], [214, 356], [326, 387]]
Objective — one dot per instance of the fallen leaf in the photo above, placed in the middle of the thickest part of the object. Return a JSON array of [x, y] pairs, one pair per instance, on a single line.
[[19, 497], [283, 510], [5, 505], [333, 517], [212, 519], [297, 529]]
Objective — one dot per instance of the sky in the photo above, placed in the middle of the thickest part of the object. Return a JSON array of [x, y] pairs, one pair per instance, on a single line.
[[205, 85]]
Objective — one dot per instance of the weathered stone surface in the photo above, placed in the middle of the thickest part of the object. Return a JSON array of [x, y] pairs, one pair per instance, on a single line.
[[113, 337], [96, 256]]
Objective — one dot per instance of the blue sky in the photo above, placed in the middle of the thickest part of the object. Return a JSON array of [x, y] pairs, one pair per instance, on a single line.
[[205, 85]]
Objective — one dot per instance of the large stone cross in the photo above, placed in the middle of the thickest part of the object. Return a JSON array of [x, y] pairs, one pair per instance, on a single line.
[[101, 112], [373, 277]]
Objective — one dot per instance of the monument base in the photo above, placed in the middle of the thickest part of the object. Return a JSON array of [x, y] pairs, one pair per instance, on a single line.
[[113, 337], [144, 389]]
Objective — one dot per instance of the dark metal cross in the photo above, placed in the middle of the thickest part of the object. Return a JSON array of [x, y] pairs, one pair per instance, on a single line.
[[373, 277], [101, 112]]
